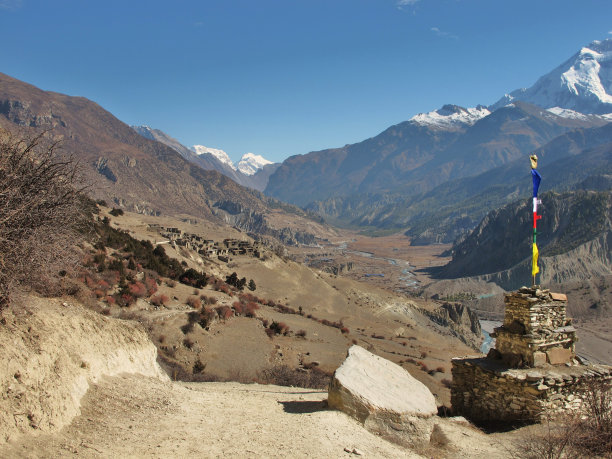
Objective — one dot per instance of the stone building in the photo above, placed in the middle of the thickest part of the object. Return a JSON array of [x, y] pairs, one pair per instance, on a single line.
[[532, 370]]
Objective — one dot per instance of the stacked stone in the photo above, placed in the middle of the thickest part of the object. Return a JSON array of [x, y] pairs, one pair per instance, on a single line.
[[484, 390], [536, 329], [532, 370]]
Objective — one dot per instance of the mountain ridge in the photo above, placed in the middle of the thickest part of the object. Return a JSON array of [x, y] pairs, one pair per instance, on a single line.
[[128, 170], [215, 159]]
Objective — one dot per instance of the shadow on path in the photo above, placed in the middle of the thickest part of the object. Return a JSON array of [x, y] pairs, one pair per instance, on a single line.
[[304, 406]]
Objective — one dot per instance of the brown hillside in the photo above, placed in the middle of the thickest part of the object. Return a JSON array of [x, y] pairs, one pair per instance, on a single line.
[[121, 166]]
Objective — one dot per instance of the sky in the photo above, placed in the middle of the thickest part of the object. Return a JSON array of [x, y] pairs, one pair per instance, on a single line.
[[285, 77]]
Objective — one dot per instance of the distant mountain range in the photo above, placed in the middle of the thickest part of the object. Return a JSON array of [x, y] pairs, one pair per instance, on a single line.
[[141, 174], [251, 171], [436, 175]]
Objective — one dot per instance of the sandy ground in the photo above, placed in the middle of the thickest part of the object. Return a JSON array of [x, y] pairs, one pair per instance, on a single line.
[[77, 384], [132, 416], [136, 416]]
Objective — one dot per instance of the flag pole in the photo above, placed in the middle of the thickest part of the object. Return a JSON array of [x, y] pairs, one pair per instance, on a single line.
[[536, 178]]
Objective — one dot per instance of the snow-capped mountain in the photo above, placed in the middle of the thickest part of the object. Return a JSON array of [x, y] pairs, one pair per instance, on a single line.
[[250, 163], [583, 83], [219, 154], [252, 170], [451, 116]]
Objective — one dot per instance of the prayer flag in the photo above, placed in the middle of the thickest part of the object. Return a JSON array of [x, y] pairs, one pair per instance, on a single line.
[[534, 263], [535, 178]]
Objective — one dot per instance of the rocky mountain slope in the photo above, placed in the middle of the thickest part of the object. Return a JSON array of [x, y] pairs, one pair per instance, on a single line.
[[502, 239], [126, 169], [579, 159], [252, 170]]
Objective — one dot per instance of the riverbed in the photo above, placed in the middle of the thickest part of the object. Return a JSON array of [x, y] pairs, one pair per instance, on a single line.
[[487, 327]]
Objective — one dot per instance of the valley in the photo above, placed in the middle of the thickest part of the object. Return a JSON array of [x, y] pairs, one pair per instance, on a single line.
[[320, 313], [216, 284]]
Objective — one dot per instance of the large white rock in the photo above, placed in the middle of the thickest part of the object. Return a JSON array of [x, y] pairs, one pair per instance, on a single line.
[[384, 397]]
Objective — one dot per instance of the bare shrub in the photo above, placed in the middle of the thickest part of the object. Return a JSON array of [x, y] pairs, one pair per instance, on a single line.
[[238, 308], [137, 289], [587, 433], [208, 299], [198, 367], [250, 308], [41, 211], [110, 300], [207, 316], [225, 312], [194, 302], [282, 375], [159, 300], [151, 285], [593, 433], [171, 283], [549, 440]]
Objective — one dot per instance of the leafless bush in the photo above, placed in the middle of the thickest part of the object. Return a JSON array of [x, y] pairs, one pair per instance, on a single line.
[[549, 440], [587, 433], [282, 375], [40, 214], [593, 432], [194, 302]]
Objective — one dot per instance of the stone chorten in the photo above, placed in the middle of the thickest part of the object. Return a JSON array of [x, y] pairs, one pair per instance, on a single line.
[[532, 370], [536, 330]]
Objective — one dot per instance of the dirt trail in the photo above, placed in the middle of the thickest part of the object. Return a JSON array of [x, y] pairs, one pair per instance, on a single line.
[[75, 383], [135, 416]]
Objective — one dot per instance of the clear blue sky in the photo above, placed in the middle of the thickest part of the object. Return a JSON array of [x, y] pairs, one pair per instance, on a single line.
[[284, 77]]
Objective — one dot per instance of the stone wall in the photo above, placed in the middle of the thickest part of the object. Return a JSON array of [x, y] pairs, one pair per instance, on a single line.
[[486, 390], [536, 329]]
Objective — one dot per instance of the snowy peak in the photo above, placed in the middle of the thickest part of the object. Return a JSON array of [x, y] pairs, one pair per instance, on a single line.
[[573, 115], [250, 163], [583, 83], [451, 116], [218, 154]]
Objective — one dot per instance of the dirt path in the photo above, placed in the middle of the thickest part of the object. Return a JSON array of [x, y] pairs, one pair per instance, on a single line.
[[62, 365], [134, 416]]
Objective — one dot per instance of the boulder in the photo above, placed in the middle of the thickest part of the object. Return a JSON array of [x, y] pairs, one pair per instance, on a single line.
[[384, 397]]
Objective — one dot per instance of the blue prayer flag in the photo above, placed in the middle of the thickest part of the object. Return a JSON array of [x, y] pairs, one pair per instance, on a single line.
[[535, 177]]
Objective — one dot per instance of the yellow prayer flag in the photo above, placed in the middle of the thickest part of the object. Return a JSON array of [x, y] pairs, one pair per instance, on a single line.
[[534, 263]]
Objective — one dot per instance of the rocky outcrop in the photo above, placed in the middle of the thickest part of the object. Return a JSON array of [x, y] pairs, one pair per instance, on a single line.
[[384, 397], [52, 352], [255, 223], [500, 242], [460, 320], [593, 259], [102, 167]]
